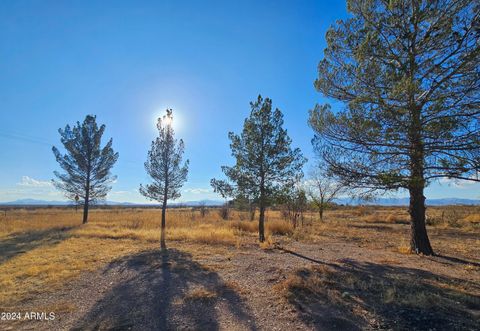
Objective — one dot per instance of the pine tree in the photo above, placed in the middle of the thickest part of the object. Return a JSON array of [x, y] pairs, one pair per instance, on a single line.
[[164, 165], [86, 164], [408, 74], [265, 162]]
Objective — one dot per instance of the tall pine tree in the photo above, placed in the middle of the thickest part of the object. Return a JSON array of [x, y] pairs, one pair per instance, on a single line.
[[86, 164], [165, 167], [265, 162], [408, 73]]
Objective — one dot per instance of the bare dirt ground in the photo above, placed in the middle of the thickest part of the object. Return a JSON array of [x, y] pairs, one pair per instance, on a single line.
[[334, 282]]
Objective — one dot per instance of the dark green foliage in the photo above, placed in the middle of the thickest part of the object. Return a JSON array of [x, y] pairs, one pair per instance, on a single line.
[[164, 165], [265, 162], [86, 164], [408, 73]]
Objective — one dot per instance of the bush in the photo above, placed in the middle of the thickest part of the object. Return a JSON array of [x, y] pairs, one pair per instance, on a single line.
[[246, 226], [224, 212], [472, 218], [279, 227]]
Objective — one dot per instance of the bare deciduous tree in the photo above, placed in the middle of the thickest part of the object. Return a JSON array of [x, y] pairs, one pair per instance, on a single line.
[[295, 202], [322, 189], [203, 209]]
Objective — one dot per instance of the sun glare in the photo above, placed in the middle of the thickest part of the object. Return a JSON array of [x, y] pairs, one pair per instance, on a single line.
[[175, 122], [167, 120]]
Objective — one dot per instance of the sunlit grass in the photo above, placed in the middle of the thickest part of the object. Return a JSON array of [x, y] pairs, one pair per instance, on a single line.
[[46, 248]]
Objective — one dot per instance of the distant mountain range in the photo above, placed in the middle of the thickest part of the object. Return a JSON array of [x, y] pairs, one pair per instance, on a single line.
[[209, 203], [212, 203], [35, 202], [406, 201]]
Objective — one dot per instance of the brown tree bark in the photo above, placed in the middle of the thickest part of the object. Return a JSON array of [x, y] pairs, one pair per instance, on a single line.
[[85, 204], [261, 219], [261, 223], [419, 242], [252, 212], [85, 211], [163, 246]]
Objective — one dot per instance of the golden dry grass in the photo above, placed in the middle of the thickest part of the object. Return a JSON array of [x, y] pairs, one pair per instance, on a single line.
[[45, 248], [274, 226], [363, 291], [472, 218]]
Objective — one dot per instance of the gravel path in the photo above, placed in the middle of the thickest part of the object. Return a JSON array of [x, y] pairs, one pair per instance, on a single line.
[[197, 288]]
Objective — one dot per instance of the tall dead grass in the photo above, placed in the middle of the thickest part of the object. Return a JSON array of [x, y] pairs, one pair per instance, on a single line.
[[42, 263], [110, 234], [273, 227]]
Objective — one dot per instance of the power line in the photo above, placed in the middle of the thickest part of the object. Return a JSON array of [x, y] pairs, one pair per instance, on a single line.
[[23, 137]]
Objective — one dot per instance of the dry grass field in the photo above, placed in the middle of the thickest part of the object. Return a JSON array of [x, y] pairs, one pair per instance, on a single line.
[[352, 271]]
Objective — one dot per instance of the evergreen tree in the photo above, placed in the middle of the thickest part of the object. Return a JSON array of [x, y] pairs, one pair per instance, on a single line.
[[408, 73], [164, 165], [86, 164], [265, 162]]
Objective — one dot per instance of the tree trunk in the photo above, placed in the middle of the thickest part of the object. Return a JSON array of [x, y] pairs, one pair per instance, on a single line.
[[87, 196], [85, 212], [85, 204], [252, 212], [261, 219], [261, 223], [163, 246], [321, 207], [419, 242]]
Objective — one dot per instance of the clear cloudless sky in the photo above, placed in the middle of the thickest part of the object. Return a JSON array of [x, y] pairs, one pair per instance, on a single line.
[[126, 61]]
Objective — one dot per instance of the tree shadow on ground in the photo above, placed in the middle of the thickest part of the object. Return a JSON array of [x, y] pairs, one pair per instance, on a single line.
[[167, 291], [359, 295], [376, 227], [454, 260], [20, 243]]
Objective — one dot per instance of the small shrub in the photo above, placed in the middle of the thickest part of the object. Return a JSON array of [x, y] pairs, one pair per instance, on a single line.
[[371, 218], [432, 220], [396, 218], [268, 244], [135, 224], [279, 227], [246, 226], [203, 210], [361, 211], [224, 212], [404, 249], [472, 218]]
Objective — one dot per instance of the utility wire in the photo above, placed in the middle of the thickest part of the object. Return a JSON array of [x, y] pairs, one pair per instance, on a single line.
[[27, 138]]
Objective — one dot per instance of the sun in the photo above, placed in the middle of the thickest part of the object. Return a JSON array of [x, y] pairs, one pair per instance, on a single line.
[[167, 120], [173, 122]]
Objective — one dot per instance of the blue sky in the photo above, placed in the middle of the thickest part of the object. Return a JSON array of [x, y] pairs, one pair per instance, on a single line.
[[126, 61]]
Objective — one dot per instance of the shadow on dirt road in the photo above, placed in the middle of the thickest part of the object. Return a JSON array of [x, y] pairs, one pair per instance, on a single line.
[[167, 291]]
